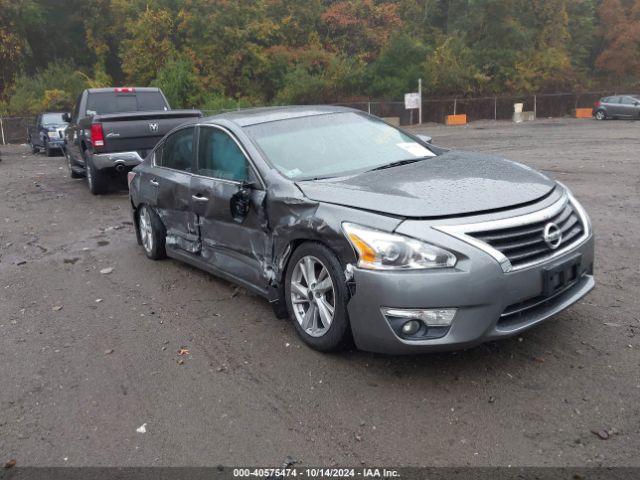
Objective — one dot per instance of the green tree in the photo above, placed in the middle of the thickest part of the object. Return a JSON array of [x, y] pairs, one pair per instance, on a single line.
[[451, 69], [148, 44], [178, 80], [54, 88], [397, 69]]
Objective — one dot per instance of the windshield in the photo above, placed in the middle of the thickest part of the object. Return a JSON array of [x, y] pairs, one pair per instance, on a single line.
[[52, 119], [101, 103], [333, 145]]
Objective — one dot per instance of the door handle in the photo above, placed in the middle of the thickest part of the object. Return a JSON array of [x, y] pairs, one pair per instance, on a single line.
[[200, 198], [154, 183]]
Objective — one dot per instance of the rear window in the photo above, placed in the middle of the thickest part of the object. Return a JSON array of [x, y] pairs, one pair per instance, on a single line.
[[113, 102]]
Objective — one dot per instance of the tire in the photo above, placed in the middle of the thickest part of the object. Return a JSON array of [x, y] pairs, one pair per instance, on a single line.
[[152, 233], [96, 180], [34, 149], [601, 115], [72, 173], [47, 149], [313, 330]]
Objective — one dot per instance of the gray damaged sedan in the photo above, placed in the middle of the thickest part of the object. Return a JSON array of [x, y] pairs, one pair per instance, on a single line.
[[361, 232]]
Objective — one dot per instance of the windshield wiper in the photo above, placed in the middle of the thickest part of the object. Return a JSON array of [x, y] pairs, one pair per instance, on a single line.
[[397, 164]]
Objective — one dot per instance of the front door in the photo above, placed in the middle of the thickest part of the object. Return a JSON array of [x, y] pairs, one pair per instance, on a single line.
[[628, 108], [167, 185], [236, 244], [614, 108]]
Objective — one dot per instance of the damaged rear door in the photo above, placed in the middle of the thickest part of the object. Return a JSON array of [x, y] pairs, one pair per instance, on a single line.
[[172, 182], [228, 197]]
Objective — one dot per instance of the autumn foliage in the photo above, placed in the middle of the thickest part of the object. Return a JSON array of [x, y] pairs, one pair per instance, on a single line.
[[228, 53]]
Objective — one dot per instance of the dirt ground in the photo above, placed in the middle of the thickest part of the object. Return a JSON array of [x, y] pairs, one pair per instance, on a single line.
[[87, 359]]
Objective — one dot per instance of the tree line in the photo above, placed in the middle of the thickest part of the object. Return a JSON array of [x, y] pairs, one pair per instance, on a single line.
[[216, 54]]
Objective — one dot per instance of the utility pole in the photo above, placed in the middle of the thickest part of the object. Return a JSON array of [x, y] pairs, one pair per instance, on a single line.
[[420, 105]]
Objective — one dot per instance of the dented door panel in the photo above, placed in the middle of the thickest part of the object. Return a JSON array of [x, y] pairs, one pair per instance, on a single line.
[[237, 247], [174, 208]]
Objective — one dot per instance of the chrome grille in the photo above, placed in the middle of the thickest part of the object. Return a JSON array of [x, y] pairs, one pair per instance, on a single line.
[[524, 244]]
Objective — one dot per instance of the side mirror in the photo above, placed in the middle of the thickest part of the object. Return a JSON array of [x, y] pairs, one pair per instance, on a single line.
[[240, 202], [66, 117], [425, 138]]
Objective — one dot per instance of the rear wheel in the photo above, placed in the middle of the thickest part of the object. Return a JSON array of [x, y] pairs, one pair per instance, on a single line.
[[72, 173], [316, 295], [152, 233], [96, 180], [47, 149], [601, 115]]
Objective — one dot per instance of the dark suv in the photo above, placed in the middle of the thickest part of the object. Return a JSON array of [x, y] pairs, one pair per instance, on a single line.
[[617, 106]]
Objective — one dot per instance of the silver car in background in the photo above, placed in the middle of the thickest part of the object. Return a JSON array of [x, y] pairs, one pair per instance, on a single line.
[[359, 231], [617, 106]]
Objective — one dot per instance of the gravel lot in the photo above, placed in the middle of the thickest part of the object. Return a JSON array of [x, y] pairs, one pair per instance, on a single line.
[[87, 358]]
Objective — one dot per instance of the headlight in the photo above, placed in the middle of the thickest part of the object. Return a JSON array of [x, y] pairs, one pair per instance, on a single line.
[[379, 250]]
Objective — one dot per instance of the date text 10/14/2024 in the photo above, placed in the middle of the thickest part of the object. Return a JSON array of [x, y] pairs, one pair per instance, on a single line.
[[316, 472]]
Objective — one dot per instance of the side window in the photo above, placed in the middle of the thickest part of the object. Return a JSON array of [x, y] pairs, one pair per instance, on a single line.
[[177, 150], [220, 157], [157, 155], [628, 101]]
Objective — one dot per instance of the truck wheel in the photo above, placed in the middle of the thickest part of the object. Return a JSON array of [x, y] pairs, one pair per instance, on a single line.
[[96, 180], [317, 295], [34, 149], [152, 233], [47, 149]]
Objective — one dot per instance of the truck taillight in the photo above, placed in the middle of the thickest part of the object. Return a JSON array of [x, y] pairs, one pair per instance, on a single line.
[[130, 177], [124, 90], [97, 135]]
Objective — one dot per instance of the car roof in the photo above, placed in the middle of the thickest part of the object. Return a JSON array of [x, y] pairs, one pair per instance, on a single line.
[[254, 116]]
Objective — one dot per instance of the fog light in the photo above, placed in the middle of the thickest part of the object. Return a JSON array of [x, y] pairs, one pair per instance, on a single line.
[[431, 317], [411, 327]]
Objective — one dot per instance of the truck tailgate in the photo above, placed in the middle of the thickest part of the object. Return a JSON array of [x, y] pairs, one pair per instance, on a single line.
[[140, 131]]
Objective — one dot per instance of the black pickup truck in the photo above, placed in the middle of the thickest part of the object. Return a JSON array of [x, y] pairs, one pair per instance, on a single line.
[[111, 130], [47, 133]]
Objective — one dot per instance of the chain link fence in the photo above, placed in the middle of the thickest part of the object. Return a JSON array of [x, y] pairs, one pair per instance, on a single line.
[[14, 129], [547, 105]]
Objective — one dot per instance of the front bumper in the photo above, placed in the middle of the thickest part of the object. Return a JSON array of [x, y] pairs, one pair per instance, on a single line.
[[121, 160], [490, 303], [53, 144]]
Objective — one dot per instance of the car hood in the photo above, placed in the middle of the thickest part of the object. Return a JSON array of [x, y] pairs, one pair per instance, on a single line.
[[454, 183]]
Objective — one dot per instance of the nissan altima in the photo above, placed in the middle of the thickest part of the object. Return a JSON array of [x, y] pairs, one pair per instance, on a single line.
[[362, 233]]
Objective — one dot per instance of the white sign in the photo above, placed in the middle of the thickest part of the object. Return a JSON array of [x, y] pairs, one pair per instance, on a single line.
[[411, 100]]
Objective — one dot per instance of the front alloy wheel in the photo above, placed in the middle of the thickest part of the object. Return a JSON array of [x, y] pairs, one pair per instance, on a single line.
[[312, 296], [316, 294]]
